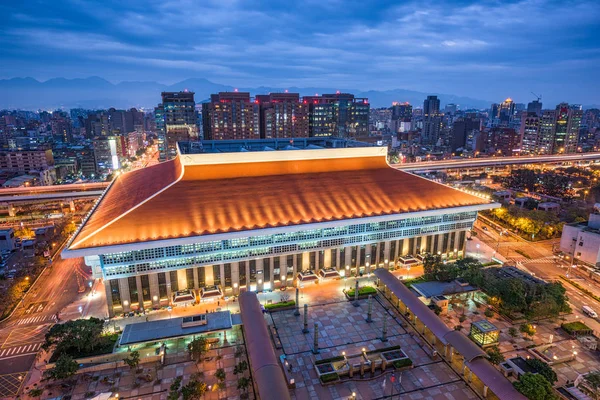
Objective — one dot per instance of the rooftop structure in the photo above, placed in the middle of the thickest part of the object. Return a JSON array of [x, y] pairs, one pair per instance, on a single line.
[[253, 220]]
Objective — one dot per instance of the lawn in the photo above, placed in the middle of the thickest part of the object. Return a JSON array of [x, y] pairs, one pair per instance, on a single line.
[[105, 347], [281, 304], [575, 326]]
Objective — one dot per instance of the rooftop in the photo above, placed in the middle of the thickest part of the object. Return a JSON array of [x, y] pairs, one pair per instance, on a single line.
[[436, 288], [207, 194]]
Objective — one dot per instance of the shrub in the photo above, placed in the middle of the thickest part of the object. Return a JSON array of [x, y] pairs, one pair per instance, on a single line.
[[329, 360], [330, 377], [362, 291], [35, 392], [488, 313], [405, 362], [281, 304], [575, 326], [462, 318]]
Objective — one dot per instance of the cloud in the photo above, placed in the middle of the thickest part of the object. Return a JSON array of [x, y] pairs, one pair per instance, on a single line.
[[381, 44]]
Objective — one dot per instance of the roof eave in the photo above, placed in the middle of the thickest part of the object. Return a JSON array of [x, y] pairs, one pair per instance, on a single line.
[[116, 248]]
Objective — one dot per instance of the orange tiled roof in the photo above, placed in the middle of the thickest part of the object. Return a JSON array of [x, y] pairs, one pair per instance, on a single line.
[[171, 200]]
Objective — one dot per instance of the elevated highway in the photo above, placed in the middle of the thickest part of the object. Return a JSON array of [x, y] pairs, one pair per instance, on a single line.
[[496, 162]]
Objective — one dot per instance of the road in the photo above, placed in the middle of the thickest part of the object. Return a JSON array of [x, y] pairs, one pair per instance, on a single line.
[[22, 335], [543, 265]]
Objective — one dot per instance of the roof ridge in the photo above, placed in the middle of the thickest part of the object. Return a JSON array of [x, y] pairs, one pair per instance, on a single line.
[[75, 244]]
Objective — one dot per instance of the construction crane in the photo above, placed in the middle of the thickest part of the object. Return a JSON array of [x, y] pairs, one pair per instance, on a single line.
[[539, 98]]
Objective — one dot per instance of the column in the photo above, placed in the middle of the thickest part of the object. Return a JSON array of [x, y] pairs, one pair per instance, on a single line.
[[405, 249], [317, 261], [222, 268], [386, 253], [327, 258], [347, 257], [368, 249], [72, 205], [138, 283], [125, 297], [396, 250], [235, 277], [108, 293], [357, 266], [154, 292], [12, 211], [209, 276], [195, 275], [260, 275], [271, 267], [440, 243], [338, 262], [305, 261], [181, 278], [248, 276]]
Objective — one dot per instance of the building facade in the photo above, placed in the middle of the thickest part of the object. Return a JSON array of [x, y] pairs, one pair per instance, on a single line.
[[340, 115], [230, 116], [530, 133], [282, 115], [179, 122], [258, 220]]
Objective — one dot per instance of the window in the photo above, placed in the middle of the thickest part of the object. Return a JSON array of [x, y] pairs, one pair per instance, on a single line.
[[189, 276], [321, 259], [217, 274], [162, 285], [267, 269], [252, 271], [115, 293], [133, 291], [242, 268], [276, 268], [227, 270], [145, 287], [174, 281], [333, 263], [311, 260]]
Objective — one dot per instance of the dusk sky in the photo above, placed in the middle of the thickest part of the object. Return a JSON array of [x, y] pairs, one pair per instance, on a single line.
[[487, 50]]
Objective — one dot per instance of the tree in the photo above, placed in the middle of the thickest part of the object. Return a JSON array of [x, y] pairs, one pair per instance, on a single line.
[[174, 389], [431, 265], [243, 384], [64, 368], [593, 382], [77, 336], [133, 361], [535, 387], [220, 374], [241, 367], [194, 390], [494, 355], [543, 369], [512, 331], [197, 348], [527, 329]]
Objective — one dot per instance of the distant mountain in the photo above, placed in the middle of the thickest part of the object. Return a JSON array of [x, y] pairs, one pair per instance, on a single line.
[[95, 92]]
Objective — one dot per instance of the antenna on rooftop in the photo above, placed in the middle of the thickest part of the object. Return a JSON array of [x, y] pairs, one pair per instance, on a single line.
[[539, 98]]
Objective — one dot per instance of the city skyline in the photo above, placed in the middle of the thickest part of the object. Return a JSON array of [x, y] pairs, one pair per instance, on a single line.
[[489, 51]]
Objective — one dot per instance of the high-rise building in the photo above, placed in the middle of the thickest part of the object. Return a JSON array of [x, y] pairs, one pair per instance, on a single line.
[[432, 120], [231, 115], [547, 130], [461, 130], [340, 114], [431, 106], [450, 109], [61, 127], [179, 121], [503, 141], [505, 111], [566, 132], [282, 115], [535, 107], [401, 117], [530, 135]]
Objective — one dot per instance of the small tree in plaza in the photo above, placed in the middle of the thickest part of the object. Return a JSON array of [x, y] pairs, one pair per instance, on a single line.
[[198, 348], [528, 330], [243, 384], [221, 375], [133, 361], [174, 389], [241, 367], [535, 387], [194, 390], [494, 355], [64, 368]]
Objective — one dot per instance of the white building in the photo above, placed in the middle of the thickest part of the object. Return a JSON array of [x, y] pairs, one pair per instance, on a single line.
[[582, 240]]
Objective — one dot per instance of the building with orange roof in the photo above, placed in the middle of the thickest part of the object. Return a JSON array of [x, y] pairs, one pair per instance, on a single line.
[[214, 224]]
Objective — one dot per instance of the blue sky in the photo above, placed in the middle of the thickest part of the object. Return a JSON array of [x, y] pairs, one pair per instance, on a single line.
[[483, 49]]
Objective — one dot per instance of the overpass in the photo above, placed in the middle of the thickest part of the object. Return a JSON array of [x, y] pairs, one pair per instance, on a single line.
[[9, 197], [496, 161]]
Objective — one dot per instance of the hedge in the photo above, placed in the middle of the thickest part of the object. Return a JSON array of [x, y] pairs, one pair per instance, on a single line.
[[330, 377], [575, 326], [405, 362], [329, 360], [362, 291], [281, 304], [383, 350]]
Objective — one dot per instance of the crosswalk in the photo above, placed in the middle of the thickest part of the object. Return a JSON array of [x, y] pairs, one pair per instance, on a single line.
[[38, 319], [24, 349]]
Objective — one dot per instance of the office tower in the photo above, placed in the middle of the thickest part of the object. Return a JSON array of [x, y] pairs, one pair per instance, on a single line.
[[179, 122], [566, 133], [450, 109], [401, 117], [339, 114], [547, 129], [461, 130], [61, 127], [282, 115], [530, 132], [535, 107], [432, 120], [503, 141], [108, 152], [505, 111], [231, 115]]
